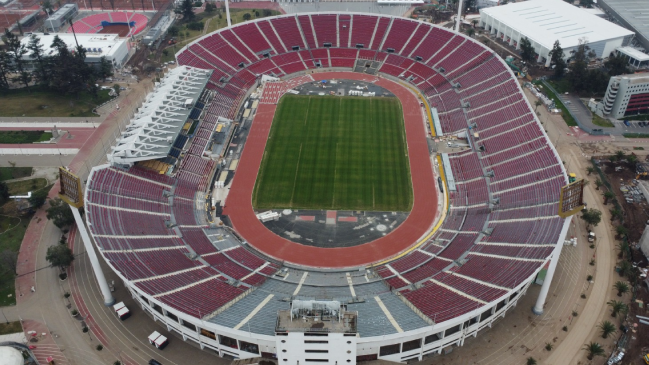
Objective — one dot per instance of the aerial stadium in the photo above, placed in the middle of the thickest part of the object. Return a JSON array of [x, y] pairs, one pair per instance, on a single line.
[[282, 193]]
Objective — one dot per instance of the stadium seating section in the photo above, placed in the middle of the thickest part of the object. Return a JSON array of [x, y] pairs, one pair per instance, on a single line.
[[500, 230]]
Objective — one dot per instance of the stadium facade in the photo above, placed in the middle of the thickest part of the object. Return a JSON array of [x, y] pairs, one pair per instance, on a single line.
[[230, 294]]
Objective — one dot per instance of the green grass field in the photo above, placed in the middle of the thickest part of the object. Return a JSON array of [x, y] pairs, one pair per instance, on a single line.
[[327, 152]]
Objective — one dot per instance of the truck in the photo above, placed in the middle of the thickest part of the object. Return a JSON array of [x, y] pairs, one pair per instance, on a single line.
[[122, 311], [591, 236], [158, 340]]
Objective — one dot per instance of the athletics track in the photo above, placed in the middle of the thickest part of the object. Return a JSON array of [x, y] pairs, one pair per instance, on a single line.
[[239, 202]]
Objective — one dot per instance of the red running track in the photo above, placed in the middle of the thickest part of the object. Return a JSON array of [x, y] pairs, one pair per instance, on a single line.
[[239, 203]]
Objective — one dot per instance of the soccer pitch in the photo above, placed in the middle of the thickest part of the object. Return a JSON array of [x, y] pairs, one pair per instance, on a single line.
[[338, 153]]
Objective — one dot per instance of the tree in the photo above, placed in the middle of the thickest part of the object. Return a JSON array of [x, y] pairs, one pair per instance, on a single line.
[[626, 269], [186, 9], [266, 12], [59, 255], [594, 349], [598, 184], [527, 50], [590, 170], [621, 287], [4, 192], [537, 104], [37, 52], [608, 195], [18, 52], [60, 213], [105, 69], [578, 75], [470, 32], [621, 231], [620, 155], [210, 8], [617, 307], [9, 261], [531, 361], [474, 22], [173, 31], [38, 198], [557, 58], [632, 159], [617, 65], [6, 67], [615, 214], [592, 217], [247, 16], [607, 328], [47, 6], [116, 89], [586, 3]]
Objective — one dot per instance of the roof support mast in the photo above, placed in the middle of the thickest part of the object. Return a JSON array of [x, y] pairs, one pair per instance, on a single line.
[[458, 20]]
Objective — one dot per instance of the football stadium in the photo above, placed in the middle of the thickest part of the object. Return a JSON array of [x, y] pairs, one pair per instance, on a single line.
[[325, 121]]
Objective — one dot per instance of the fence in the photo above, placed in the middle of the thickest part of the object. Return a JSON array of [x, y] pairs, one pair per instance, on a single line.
[[595, 132]]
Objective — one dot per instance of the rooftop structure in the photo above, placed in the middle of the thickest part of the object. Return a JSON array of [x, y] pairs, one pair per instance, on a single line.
[[545, 21], [158, 121], [625, 95], [635, 57], [632, 14], [58, 19], [97, 46]]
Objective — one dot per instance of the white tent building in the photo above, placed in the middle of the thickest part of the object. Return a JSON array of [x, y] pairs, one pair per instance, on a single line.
[[545, 21]]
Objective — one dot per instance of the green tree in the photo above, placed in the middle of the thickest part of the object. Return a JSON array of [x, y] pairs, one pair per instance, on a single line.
[[38, 198], [116, 89], [530, 361], [173, 31], [586, 3], [578, 75], [247, 16], [17, 51], [47, 6], [537, 104], [6, 67], [615, 214], [557, 59], [527, 50], [590, 170], [620, 155], [266, 12], [607, 328], [621, 231], [617, 65], [617, 307], [60, 213], [594, 349], [105, 69], [4, 192], [607, 196], [626, 269], [37, 53], [60, 256], [598, 184], [210, 8], [470, 32], [186, 9], [592, 217], [632, 160], [621, 287]]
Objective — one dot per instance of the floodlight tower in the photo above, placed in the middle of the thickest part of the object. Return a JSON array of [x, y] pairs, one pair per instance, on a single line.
[[72, 194], [227, 13], [459, 16], [571, 201]]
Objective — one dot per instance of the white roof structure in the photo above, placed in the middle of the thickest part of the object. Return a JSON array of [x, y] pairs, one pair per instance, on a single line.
[[96, 45], [156, 124], [545, 21]]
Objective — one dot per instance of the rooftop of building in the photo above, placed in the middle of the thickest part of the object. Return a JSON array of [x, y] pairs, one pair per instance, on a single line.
[[316, 316], [157, 123], [634, 12], [96, 45], [634, 53], [546, 21]]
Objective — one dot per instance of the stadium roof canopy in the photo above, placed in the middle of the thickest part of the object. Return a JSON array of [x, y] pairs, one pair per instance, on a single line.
[[546, 21], [156, 124]]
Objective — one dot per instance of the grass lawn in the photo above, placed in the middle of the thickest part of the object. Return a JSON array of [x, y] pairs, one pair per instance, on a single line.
[[340, 153], [599, 121], [636, 135], [570, 121], [12, 231], [24, 186], [41, 103], [8, 173], [16, 137], [12, 327]]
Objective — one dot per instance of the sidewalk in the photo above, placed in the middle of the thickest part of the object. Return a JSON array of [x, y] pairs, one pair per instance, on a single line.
[[45, 345]]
